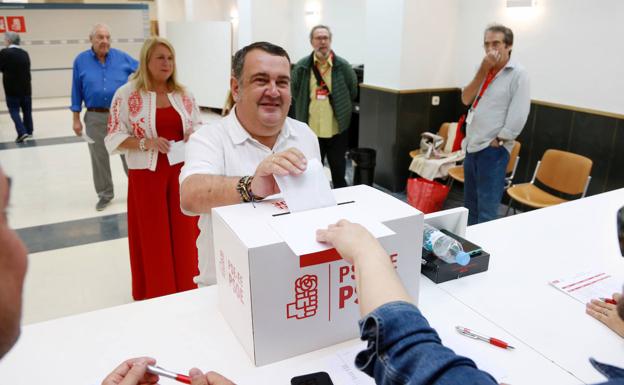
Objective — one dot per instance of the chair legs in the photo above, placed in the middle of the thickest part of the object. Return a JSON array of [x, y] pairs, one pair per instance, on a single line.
[[509, 207]]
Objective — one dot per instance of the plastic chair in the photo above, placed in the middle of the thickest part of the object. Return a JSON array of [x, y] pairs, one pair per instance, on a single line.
[[457, 173], [560, 176]]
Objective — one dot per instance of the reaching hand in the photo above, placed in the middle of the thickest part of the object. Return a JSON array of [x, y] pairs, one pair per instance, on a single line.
[[209, 378], [291, 161], [607, 314], [132, 372], [351, 240]]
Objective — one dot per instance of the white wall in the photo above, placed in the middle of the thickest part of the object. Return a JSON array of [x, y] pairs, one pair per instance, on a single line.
[[571, 48], [203, 58], [169, 11], [270, 20], [382, 56], [52, 42], [346, 18], [429, 44]]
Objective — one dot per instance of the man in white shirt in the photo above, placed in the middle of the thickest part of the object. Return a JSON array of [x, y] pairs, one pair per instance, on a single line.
[[234, 160]]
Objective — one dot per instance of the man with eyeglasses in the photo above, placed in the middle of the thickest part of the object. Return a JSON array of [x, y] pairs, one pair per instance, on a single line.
[[323, 87], [499, 101]]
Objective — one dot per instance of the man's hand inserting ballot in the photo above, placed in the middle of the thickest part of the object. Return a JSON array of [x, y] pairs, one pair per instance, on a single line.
[[291, 161]]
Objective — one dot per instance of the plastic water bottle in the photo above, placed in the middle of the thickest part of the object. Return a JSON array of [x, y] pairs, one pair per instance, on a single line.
[[443, 246]]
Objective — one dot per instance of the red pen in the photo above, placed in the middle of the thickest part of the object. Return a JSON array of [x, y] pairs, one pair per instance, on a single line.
[[477, 336], [609, 300], [165, 373]]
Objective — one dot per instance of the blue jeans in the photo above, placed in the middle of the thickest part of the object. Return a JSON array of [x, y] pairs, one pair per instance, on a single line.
[[484, 183], [15, 103]]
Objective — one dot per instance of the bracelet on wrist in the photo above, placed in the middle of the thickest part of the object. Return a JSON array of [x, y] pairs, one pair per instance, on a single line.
[[142, 145], [244, 189]]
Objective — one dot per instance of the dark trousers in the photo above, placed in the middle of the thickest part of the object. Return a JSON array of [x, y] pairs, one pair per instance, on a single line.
[[23, 125], [335, 148], [484, 183]]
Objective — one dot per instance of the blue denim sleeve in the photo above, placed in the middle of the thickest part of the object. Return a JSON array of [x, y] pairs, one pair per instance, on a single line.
[[404, 349]]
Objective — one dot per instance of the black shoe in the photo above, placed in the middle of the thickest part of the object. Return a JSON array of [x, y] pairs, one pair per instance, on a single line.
[[102, 203], [21, 138]]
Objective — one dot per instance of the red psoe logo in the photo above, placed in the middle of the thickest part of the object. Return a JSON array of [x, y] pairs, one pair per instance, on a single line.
[[280, 205], [306, 298], [16, 24]]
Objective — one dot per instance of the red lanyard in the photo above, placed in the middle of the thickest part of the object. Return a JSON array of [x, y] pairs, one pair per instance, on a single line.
[[331, 57], [486, 83]]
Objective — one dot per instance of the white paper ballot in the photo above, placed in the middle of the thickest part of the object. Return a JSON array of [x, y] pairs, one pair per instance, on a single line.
[[176, 152], [298, 230], [86, 138], [309, 190]]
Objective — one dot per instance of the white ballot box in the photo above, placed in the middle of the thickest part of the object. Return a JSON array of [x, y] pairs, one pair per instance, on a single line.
[[285, 294]]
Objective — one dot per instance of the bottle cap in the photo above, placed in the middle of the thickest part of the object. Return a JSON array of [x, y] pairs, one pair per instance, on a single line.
[[462, 258]]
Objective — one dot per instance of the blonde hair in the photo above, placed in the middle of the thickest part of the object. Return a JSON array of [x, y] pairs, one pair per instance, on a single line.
[[142, 77]]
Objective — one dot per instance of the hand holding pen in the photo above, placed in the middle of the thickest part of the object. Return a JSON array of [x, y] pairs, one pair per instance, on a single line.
[[478, 336], [143, 371], [132, 372], [605, 311]]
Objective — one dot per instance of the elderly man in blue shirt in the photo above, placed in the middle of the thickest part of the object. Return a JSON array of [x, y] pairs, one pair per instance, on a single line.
[[98, 72]]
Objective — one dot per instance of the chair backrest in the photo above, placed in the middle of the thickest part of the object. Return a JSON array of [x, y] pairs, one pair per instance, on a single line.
[[564, 171]]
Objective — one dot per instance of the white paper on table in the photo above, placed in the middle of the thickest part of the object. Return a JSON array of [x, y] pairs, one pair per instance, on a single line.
[[176, 152], [342, 367], [588, 285], [298, 230], [308, 190]]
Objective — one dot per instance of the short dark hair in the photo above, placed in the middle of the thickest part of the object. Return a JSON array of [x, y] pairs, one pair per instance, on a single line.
[[320, 26], [239, 57], [507, 33]]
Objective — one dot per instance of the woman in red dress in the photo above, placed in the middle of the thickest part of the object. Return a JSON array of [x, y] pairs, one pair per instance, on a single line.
[[150, 116]]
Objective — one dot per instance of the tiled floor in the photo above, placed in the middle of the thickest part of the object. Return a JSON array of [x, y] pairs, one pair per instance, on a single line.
[[79, 257]]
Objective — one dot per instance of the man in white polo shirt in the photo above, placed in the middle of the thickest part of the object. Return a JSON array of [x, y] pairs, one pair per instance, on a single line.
[[234, 160]]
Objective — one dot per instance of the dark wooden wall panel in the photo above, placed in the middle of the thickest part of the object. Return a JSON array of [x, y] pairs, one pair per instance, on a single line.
[[413, 121], [405, 117], [392, 122], [592, 136], [523, 171], [378, 130], [615, 178]]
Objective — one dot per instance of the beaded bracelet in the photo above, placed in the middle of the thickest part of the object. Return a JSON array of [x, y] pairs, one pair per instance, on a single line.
[[142, 145], [244, 189]]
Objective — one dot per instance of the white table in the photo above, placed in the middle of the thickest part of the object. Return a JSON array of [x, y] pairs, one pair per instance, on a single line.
[[511, 301], [531, 249], [186, 330]]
